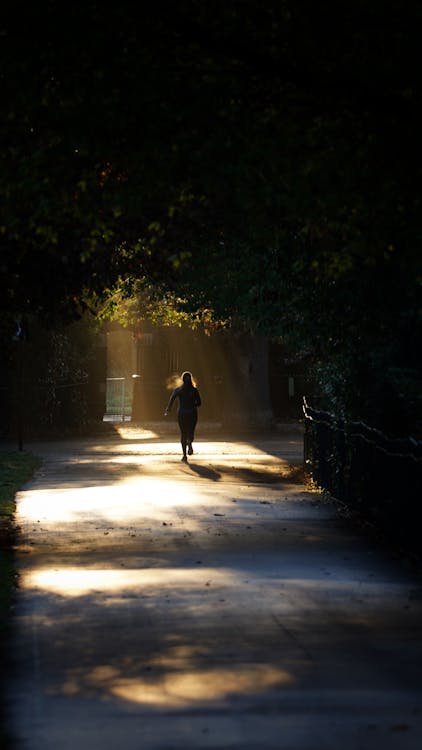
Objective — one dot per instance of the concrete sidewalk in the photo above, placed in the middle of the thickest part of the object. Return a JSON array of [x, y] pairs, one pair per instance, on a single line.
[[217, 604]]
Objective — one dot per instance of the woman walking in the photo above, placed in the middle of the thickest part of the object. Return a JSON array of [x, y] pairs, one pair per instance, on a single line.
[[187, 415]]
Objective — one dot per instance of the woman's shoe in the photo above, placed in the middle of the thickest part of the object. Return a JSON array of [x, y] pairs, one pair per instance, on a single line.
[[184, 458]]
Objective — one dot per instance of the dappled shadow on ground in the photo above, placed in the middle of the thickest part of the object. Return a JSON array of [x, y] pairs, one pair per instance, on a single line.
[[158, 588], [182, 650], [108, 472], [214, 636], [107, 464], [286, 439]]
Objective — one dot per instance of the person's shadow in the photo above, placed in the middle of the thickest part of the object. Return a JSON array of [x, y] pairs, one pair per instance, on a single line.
[[205, 472]]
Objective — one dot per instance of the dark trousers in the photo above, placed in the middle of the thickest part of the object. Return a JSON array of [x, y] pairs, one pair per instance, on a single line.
[[187, 423]]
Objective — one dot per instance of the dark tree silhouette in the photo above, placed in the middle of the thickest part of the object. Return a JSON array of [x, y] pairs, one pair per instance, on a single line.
[[260, 159]]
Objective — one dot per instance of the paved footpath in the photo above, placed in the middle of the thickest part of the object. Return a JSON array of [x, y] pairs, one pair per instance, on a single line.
[[218, 604]]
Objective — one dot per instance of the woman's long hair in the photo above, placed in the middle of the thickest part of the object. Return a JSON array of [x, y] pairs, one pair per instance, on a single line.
[[187, 379]]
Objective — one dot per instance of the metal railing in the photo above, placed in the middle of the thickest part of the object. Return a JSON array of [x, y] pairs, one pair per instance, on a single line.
[[376, 475], [118, 398]]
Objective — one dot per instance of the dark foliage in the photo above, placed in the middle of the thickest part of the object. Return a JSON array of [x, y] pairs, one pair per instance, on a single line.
[[261, 159]]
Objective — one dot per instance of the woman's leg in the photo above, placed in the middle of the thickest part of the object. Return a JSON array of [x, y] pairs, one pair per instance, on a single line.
[[191, 431], [183, 433]]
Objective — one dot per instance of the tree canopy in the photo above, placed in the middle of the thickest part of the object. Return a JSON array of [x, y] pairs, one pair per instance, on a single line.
[[260, 160]]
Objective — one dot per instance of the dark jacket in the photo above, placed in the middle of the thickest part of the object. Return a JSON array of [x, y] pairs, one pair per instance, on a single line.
[[189, 399]]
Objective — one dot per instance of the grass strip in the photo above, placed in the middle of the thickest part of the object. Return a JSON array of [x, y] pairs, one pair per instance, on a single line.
[[16, 467]]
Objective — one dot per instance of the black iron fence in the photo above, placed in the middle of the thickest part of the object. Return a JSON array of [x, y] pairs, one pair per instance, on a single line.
[[378, 476]]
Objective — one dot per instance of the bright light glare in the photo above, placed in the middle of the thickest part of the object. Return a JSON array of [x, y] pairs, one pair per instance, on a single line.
[[128, 432], [171, 448], [121, 503], [81, 581]]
